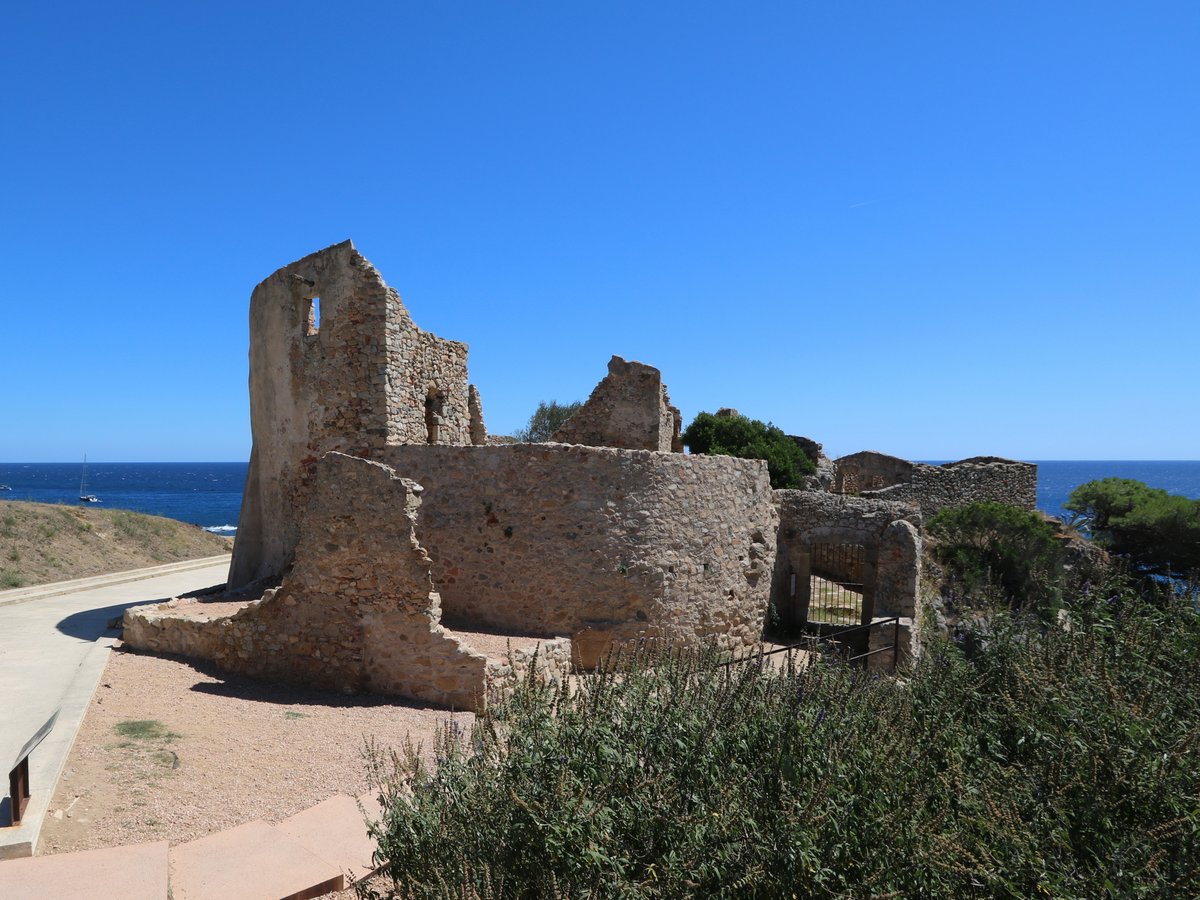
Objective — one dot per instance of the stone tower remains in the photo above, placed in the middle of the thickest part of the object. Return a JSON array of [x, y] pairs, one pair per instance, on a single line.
[[336, 364]]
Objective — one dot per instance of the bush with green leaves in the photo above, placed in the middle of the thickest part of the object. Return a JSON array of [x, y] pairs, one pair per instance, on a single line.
[[999, 555], [546, 419], [1048, 762], [1159, 533], [750, 439]]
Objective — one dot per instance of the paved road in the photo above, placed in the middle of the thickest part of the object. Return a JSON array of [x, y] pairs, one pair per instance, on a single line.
[[54, 642]]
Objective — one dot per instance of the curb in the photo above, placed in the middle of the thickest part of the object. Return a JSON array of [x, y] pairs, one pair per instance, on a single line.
[[57, 588]]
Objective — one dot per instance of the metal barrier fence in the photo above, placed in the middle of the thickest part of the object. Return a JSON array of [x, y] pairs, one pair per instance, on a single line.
[[836, 644]]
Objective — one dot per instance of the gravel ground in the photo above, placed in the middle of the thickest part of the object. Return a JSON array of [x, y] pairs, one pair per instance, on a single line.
[[225, 749]]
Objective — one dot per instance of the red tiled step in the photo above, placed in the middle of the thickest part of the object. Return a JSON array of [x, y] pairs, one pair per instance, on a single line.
[[336, 831], [136, 872], [251, 862]]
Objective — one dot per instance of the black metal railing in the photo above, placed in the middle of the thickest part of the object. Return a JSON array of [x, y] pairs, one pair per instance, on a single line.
[[836, 642]]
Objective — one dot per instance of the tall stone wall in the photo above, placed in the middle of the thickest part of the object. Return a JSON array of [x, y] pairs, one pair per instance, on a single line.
[[336, 364], [357, 612], [600, 544], [629, 409]]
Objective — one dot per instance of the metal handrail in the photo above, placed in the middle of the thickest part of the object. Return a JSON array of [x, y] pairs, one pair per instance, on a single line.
[[878, 623]]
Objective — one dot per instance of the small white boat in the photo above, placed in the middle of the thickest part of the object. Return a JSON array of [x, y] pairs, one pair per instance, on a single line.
[[84, 496]]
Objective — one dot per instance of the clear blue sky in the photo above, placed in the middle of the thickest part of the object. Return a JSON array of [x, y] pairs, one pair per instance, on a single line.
[[931, 229]]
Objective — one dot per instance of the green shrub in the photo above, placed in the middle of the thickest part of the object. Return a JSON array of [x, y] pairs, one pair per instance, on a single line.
[[546, 419], [750, 439], [999, 555], [1159, 533], [1052, 763]]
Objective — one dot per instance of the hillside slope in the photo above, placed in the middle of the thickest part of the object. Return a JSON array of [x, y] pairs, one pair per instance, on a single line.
[[41, 542]]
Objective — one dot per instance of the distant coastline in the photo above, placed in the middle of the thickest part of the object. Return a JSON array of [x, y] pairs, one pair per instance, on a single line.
[[210, 494]]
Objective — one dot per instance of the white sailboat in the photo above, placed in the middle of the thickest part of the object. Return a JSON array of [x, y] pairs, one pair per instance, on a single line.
[[84, 496]]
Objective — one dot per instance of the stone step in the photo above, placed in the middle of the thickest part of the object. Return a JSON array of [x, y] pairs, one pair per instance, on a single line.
[[254, 861], [136, 872], [336, 831]]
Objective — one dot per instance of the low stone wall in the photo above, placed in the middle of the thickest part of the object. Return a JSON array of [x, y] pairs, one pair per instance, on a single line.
[[956, 484], [598, 544], [550, 659], [892, 645], [356, 613]]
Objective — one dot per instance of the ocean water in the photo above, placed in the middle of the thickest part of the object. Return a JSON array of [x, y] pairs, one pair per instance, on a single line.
[[1057, 478], [204, 494], [210, 494]]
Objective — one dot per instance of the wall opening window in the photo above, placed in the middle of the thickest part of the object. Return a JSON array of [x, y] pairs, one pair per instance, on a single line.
[[435, 402], [314, 316]]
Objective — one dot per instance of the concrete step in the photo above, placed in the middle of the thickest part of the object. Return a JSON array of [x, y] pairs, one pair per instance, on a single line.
[[137, 872], [251, 862], [336, 831]]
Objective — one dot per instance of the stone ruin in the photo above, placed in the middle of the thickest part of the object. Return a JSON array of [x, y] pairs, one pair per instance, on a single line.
[[383, 533]]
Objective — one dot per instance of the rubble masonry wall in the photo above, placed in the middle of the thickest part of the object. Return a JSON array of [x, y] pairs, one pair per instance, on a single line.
[[336, 364], [598, 544], [629, 409], [341, 621]]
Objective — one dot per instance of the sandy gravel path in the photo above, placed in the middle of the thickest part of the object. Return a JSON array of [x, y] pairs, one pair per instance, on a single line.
[[226, 750]]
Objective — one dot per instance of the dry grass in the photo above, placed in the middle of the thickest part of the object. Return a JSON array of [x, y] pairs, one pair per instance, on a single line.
[[834, 604], [43, 542]]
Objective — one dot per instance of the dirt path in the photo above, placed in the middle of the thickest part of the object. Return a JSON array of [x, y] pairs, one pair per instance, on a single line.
[[219, 750]]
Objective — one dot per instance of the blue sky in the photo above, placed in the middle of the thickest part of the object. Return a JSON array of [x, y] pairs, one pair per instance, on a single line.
[[931, 229]]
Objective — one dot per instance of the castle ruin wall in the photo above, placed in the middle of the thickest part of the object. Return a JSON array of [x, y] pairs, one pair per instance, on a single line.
[[357, 612], [600, 544], [934, 488], [336, 364], [629, 409]]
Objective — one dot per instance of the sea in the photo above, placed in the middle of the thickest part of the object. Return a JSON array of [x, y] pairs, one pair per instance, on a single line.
[[204, 494], [210, 494]]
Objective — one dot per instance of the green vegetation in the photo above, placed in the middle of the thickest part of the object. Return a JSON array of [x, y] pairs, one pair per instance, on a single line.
[[1044, 762], [1159, 533], [145, 730], [750, 439], [546, 420], [10, 580], [999, 556]]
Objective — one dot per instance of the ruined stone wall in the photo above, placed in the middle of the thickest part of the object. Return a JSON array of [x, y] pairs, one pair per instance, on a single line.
[[955, 484], [869, 470], [426, 379], [358, 611], [599, 544], [629, 409], [335, 364]]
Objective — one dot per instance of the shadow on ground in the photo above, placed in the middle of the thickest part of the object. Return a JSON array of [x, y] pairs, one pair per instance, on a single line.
[[242, 687]]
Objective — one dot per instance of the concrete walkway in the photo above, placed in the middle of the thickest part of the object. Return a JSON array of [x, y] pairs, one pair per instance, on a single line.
[[54, 643]]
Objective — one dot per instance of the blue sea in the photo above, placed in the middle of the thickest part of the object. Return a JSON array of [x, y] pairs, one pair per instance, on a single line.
[[210, 494], [204, 494]]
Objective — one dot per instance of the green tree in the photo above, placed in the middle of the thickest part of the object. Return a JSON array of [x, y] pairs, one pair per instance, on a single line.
[[750, 439], [1158, 532], [993, 548], [546, 420]]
